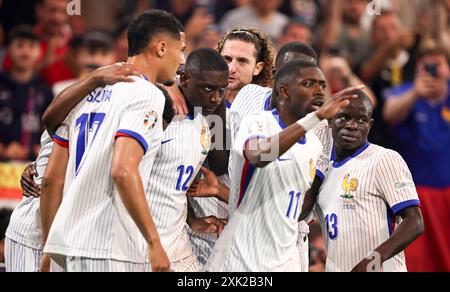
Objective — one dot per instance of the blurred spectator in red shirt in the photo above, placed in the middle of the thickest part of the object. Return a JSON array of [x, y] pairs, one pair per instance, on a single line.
[[23, 98], [54, 32]]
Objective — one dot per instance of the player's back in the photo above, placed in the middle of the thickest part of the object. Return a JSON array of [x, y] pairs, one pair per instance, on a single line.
[[357, 203], [92, 222], [263, 230]]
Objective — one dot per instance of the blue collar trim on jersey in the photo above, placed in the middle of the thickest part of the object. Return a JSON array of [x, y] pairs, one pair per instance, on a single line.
[[343, 162], [267, 104], [192, 116], [283, 126], [145, 77], [228, 104]]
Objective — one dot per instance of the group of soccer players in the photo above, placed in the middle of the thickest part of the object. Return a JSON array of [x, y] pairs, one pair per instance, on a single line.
[[129, 181]]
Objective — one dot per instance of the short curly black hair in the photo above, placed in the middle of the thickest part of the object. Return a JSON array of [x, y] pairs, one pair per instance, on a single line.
[[264, 48]]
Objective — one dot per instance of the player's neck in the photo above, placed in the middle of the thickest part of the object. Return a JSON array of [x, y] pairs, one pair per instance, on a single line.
[[145, 65], [343, 154], [231, 95], [286, 116], [191, 109]]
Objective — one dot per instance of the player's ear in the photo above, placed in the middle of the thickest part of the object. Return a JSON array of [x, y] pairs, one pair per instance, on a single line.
[[184, 79], [258, 69], [283, 93], [161, 48], [372, 121]]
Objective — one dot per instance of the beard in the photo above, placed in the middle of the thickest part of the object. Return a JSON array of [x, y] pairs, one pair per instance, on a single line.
[[169, 83]]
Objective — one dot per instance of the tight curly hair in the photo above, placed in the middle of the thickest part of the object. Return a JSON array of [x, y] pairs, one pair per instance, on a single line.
[[264, 48]]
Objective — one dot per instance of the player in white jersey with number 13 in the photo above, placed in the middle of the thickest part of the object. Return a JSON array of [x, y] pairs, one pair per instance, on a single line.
[[367, 192]]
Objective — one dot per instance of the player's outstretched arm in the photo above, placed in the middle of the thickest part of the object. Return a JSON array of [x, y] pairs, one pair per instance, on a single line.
[[51, 194], [409, 230], [127, 156], [260, 152], [68, 99]]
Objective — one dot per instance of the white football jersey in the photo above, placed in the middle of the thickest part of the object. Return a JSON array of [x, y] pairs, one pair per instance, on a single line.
[[25, 224], [357, 204], [92, 221], [262, 234], [185, 145]]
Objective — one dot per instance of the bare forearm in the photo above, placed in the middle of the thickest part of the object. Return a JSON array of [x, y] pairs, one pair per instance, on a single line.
[[310, 198], [408, 231], [67, 100], [332, 26], [397, 110], [51, 198], [377, 62], [269, 150], [53, 187], [131, 191], [223, 193]]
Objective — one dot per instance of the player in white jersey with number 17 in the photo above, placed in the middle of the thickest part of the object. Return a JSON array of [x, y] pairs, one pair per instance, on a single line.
[[274, 160], [103, 222], [367, 192]]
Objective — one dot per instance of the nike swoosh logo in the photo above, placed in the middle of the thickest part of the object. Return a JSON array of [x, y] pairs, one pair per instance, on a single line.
[[167, 141], [282, 159]]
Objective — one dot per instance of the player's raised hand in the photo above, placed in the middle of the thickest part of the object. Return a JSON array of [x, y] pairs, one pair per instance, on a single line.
[[207, 187], [338, 101], [29, 187], [119, 72], [158, 258]]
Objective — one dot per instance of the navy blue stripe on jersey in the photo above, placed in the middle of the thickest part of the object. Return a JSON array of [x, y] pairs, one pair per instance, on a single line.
[[267, 104], [61, 141], [247, 174], [134, 135], [320, 175], [283, 126], [403, 205]]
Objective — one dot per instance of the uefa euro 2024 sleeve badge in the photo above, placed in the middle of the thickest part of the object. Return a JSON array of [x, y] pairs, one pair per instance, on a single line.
[[150, 120]]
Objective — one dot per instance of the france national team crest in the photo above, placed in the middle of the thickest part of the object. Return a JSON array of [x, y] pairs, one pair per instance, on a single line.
[[205, 140], [150, 120], [349, 186], [312, 170]]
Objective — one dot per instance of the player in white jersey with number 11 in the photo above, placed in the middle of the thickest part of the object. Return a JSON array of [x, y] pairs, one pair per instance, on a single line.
[[274, 158]]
